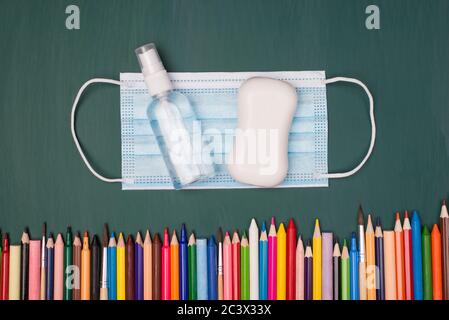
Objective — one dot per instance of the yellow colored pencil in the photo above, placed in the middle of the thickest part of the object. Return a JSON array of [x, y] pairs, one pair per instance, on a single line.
[[316, 261], [121, 288], [281, 272]]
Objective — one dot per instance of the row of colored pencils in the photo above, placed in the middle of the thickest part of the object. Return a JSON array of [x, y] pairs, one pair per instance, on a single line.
[[406, 263]]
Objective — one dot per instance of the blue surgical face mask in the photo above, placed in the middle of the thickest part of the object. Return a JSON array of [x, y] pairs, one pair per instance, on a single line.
[[214, 98]]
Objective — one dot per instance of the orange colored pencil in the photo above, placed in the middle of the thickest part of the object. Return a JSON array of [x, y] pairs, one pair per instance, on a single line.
[[399, 250], [85, 268], [437, 273], [236, 266], [174, 267], [370, 260]]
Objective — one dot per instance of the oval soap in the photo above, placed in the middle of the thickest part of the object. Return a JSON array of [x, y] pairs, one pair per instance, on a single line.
[[259, 155]]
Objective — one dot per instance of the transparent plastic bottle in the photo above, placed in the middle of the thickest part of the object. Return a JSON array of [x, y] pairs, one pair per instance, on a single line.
[[174, 124]]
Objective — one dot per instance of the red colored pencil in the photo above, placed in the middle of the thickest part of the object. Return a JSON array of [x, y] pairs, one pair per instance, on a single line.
[[408, 259], [5, 269], [291, 260], [236, 266]]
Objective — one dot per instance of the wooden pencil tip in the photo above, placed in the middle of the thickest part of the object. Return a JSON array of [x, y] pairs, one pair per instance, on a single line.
[[360, 219]]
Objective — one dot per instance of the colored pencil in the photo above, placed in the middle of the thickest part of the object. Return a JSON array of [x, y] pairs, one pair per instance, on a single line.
[[49, 287], [34, 281], [317, 265], [58, 293], [444, 227], [192, 267], [212, 293], [121, 268], [104, 264], [417, 257], [138, 267], [95, 274], [5, 269], [299, 265], [129, 269], [336, 271], [437, 275], [220, 265], [272, 261], [174, 267], [345, 273], [244, 268], [157, 267], [354, 263], [326, 270], [380, 279], [85, 268], [165, 267], [235, 266], [362, 254], [227, 268], [390, 266], [14, 272], [201, 265], [263, 263], [253, 234], [399, 258], [112, 268], [426, 263], [183, 268], [291, 260], [408, 257], [43, 262], [68, 262], [370, 260], [281, 268], [24, 262], [308, 273], [77, 245], [148, 267]]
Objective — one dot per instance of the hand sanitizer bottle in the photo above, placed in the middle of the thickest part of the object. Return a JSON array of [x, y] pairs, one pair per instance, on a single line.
[[174, 124]]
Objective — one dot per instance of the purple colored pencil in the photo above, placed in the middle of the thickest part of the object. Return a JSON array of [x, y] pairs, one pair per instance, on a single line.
[[308, 269], [326, 269], [138, 267]]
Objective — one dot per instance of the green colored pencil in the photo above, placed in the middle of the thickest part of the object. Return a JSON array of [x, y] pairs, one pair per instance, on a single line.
[[426, 264], [68, 262], [344, 275], [192, 267], [244, 268]]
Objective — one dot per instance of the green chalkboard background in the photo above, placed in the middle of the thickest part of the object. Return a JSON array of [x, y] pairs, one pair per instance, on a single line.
[[42, 65]]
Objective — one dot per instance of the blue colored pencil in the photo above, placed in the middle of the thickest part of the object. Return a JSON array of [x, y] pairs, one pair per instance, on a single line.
[[112, 268], [354, 268], [201, 265], [417, 257], [379, 245], [263, 263], [212, 292], [50, 268], [183, 268]]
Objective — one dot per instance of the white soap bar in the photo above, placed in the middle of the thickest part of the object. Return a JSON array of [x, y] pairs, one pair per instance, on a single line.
[[260, 152]]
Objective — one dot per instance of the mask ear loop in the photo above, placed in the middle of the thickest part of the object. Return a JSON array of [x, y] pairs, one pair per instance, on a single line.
[[73, 129], [373, 129]]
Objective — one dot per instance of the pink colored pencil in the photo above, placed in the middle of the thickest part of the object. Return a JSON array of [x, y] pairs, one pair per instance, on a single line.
[[34, 271], [165, 267], [300, 269], [59, 269], [227, 267], [272, 258]]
